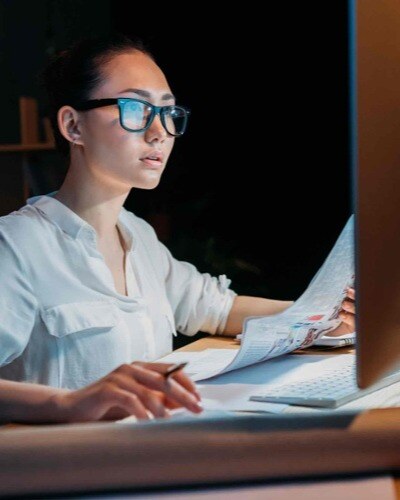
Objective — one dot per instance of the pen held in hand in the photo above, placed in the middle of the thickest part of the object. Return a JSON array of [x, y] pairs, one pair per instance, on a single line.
[[172, 369]]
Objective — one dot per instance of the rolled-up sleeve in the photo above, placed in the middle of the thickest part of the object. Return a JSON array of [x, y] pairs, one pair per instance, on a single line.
[[18, 304], [200, 302]]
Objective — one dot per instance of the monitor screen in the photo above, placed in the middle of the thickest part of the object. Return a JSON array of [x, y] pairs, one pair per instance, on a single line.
[[375, 153]]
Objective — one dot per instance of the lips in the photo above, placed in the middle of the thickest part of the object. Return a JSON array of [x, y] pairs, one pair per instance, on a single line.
[[153, 159], [153, 155]]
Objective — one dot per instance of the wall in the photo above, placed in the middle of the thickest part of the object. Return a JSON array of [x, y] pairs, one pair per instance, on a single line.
[[30, 32]]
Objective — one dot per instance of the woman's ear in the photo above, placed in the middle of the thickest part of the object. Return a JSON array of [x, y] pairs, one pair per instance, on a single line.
[[69, 124]]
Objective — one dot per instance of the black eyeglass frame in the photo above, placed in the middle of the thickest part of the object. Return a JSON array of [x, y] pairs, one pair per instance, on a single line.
[[121, 101]]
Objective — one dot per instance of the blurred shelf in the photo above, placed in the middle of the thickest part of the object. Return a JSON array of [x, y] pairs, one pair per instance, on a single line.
[[29, 124], [18, 175], [26, 148]]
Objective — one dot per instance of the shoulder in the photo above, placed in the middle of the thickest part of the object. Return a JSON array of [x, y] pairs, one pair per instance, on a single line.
[[20, 226], [19, 238]]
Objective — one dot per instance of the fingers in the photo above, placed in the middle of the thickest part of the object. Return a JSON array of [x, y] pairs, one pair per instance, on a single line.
[[347, 314], [151, 400], [179, 394], [170, 387], [349, 319], [126, 401], [185, 382], [132, 389], [179, 376], [349, 307]]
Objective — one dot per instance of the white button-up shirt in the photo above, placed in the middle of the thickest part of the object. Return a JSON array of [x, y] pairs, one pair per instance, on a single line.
[[62, 322]]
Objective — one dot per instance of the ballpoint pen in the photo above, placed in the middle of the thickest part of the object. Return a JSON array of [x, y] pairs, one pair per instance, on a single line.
[[174, 368]]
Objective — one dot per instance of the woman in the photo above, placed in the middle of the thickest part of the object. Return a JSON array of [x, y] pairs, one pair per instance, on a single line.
[[88, 288]]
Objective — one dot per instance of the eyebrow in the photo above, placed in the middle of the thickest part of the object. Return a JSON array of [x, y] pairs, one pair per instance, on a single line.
[[147, 95]]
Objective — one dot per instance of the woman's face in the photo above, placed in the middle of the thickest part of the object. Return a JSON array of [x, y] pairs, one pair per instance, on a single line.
[[113, 154]]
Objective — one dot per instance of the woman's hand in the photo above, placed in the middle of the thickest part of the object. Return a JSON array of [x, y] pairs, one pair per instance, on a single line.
[[138, 389], [348, 312], [347, 315]]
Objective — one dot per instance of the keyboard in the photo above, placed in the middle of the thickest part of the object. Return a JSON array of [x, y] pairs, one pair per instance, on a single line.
[[330, 390]]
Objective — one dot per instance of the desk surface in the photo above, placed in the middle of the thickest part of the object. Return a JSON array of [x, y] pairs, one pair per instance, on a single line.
[[100, 456], [376, 419]]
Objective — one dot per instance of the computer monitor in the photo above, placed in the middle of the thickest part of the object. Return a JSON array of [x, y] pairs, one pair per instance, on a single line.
[[375, 157]]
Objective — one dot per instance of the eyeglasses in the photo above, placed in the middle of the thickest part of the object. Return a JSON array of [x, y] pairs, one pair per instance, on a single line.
[[136, 115]]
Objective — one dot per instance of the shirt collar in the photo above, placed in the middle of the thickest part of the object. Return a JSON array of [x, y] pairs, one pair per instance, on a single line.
[[69, 222]]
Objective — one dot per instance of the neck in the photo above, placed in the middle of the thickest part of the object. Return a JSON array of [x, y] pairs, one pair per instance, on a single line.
[[96, 199]]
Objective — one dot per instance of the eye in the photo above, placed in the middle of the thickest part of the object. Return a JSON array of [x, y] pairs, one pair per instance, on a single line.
[[175, 112], [134, 107]]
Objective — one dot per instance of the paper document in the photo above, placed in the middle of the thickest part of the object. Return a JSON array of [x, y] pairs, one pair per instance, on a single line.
[[313, 315], [231, 391]]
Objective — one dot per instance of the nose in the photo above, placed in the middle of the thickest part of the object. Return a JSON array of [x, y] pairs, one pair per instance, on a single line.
[[156, 131]]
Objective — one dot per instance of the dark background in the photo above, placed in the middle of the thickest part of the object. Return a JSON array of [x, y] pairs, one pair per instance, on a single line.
[[259, 187]]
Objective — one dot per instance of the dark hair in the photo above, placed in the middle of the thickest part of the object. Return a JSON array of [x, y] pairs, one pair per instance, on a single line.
[[74, 73]]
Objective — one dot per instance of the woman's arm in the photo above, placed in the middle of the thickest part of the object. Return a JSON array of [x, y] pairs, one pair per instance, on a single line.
[[244, 306], [23, 402], [139, 389]]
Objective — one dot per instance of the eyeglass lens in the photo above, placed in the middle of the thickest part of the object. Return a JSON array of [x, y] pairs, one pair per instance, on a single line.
[[136, 115]]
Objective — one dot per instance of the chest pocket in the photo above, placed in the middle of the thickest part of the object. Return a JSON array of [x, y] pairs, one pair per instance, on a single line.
[[95, 316]]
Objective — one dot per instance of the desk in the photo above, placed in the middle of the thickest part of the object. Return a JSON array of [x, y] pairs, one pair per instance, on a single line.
[[246, 450], [377, 419], [387, 418]]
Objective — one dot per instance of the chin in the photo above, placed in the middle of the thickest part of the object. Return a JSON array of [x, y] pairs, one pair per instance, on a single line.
[[147, 179], [147, 184]]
